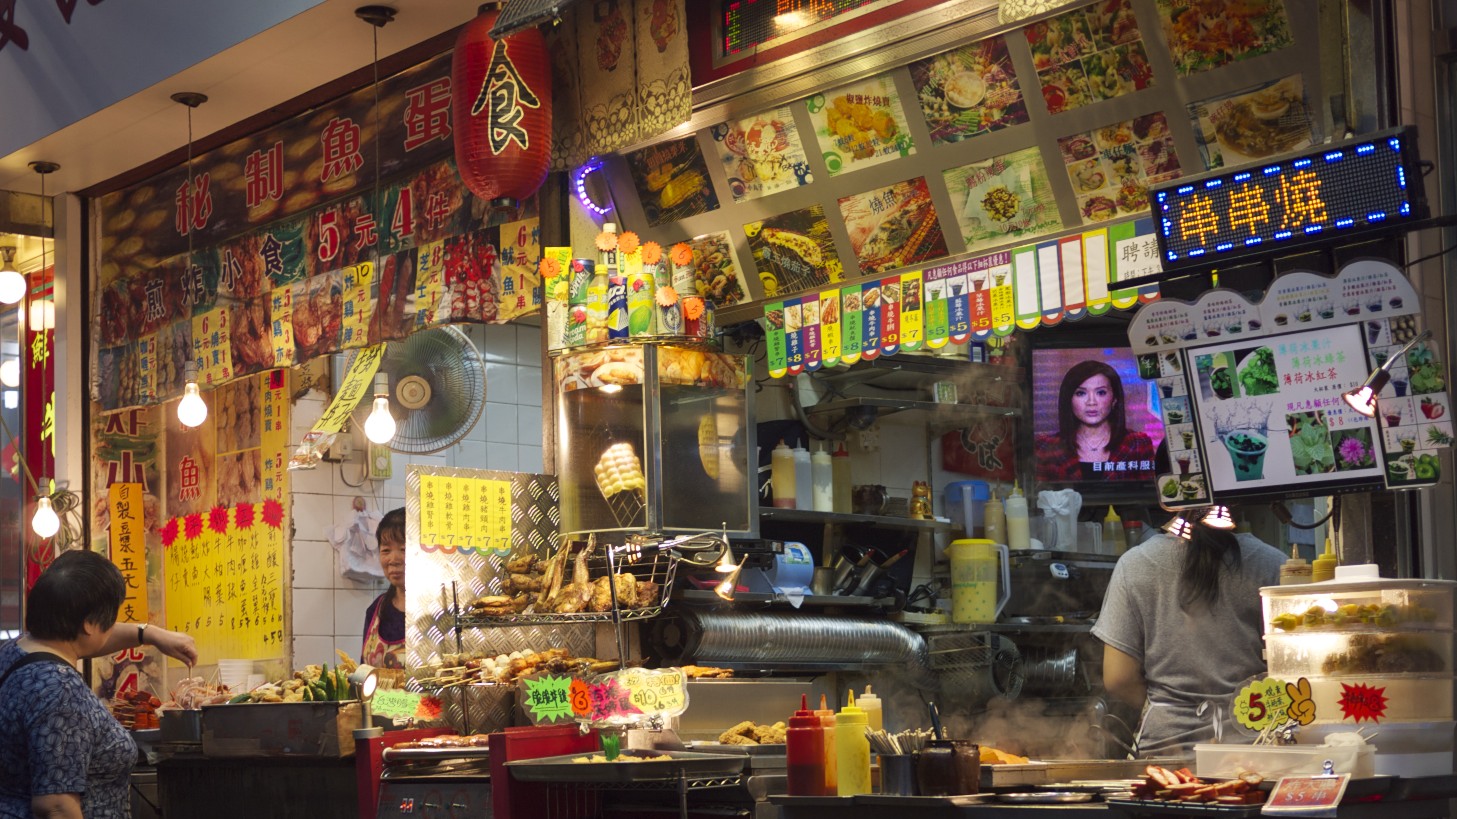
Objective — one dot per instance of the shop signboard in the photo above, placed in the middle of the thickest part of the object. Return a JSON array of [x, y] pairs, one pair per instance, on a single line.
[[1333, 192]]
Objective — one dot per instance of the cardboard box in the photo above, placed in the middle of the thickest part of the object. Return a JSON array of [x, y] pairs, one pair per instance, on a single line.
[[280, 729]]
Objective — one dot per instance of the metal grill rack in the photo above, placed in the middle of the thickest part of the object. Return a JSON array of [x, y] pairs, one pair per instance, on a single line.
[[659, 567]]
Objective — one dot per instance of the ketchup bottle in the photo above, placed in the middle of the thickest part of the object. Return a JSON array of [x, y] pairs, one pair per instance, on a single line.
[[805, 752]]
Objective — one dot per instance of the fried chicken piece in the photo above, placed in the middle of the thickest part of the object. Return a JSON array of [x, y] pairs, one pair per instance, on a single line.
[[647, 594], [575, 596], [601, 595], [744, 730], [521, 564], [627, 591], [517, 581]]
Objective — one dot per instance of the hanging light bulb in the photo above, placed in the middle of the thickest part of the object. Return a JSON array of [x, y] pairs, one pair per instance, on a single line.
[[45, 523], [380, 426], [1180, 528], [1218, 517], [729, 584], [12, 281], [191, 410], [10, 372]]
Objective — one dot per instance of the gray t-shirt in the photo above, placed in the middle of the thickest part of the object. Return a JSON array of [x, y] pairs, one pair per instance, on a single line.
[[1188, 657]]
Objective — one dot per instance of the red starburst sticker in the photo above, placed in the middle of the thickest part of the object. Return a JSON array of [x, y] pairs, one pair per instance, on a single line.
[[192, 526], [273, 513], [217, 519], [243, 515], [1363, 702], [169, 533]]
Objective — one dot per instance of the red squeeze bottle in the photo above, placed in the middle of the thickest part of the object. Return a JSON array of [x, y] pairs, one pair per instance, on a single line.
[[805, 752]]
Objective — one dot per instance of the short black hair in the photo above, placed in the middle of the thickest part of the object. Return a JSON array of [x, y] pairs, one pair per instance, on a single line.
[[80, 587], [392, 524]]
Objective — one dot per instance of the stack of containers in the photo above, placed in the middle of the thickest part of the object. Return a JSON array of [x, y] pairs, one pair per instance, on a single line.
[[1378, 654]]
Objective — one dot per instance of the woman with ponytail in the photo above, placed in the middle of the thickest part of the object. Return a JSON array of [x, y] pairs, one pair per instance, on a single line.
[[1181, 627]]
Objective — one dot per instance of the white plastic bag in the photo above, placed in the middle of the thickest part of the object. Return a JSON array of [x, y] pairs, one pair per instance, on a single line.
[[1062, 506], [357, 548]]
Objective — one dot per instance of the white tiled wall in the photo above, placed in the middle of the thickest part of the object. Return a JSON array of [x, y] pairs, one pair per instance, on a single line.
[[328, 610]]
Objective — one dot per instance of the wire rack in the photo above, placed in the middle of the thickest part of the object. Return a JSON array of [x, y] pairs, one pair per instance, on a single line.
[[659, 568]]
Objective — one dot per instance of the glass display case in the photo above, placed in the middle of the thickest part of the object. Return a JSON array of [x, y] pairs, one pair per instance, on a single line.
[[654, 437]]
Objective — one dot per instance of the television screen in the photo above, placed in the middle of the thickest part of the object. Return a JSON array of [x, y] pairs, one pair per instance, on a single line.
[[1094, 419], [1271, 419]]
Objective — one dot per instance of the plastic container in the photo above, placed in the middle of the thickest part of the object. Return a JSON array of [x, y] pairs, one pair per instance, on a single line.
[[804, 752], [976, 566], [994, 520], [826, 716], [1379, 605], [1291, 656], [1114, 539], [874, 716], [803, 479], [852, 750], [1402, 748], [965, 503], [822, 479], [840, 475], [1019, 532], [781, 476], [1273, 761], [1411, 697]]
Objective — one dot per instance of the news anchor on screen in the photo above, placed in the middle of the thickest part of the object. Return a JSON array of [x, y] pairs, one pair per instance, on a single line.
[[1092, 440]]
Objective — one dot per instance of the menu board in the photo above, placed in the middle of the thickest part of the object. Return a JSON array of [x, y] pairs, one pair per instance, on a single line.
[[762, 154], [893, 227], [1088, 55], [465, 515], [224, 580], [1205, 34], [1253, 124], [794, 251], [1003, 199], [1112, 168], [860, 125], [1271, 419], [672, 180], [968, 91]]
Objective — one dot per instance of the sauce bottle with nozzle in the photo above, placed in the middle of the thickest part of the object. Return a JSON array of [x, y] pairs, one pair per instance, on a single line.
[[826, 716], [805, 752], [994, 520], [1019, 532], [1324, 567], [852, 750], [781, 476], [870, 704], [1296, 570]]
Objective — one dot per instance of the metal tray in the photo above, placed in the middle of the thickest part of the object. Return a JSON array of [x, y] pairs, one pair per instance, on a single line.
[[1145, 807], [683, 763], [890, 800], [433, 754], [1062, 770], [1044, 798], [724, 748]]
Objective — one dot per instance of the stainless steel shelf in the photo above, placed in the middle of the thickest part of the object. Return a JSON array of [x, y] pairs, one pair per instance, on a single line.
[[810, 516]]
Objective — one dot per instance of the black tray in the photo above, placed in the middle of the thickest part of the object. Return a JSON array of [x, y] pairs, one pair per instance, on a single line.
[[1144, 807], [683, 763]]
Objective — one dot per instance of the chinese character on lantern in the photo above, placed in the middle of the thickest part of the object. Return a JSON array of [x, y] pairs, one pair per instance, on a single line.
[[427, 116], [506, 94], [341, 149], [263, 171]]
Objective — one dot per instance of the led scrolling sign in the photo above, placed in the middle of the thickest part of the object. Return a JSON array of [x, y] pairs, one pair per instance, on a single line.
[[1360, 186]]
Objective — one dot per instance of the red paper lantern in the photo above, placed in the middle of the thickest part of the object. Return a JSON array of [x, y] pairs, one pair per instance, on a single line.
[[501, 93]]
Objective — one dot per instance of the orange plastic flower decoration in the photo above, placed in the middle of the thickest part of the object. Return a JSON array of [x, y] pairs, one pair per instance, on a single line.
[[652, 252], [667, 296], [693, 308], [606, 241], [682, 254], [627, 242], [549, 268]]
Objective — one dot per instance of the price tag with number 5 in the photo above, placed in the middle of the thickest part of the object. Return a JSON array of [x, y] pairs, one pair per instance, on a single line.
[[1261, 704]]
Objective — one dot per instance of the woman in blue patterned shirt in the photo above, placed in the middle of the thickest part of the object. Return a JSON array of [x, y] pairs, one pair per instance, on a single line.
[[62, 755]]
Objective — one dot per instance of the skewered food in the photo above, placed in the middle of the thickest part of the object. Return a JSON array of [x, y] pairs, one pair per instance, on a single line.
[[543, 587], [1183, 786], [507, 669]]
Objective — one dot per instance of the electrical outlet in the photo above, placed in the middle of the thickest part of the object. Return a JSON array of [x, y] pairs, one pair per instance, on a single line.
[[381, 465], [870, 439]]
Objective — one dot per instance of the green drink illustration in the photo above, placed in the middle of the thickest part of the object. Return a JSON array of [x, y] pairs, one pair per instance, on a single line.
[[1247, 453]]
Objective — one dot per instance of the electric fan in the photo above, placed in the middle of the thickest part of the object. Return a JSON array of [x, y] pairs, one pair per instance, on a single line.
[[437, 389]]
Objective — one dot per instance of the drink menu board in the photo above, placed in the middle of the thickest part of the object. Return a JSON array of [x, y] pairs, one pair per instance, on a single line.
[[1270, 417]]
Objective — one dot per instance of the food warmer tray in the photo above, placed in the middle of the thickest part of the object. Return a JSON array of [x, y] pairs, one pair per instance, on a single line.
[[434, 754], [682, 764], [1063, 770], [1148, 807], [724, 748], [1044, 797]]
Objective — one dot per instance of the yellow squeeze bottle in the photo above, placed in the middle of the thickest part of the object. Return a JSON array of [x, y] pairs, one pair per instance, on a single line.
[[827, 723], [852, 750], [1324, 567], [1114, 539]]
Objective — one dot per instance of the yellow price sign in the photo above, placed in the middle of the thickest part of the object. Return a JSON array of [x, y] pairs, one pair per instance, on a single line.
[[657, 693], [1261, 704]]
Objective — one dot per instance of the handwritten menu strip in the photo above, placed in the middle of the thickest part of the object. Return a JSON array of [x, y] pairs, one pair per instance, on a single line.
[[358, 383], [128, 548], [212, 347], [273, 437], [358, 305], [224, 581], [459, 514]]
